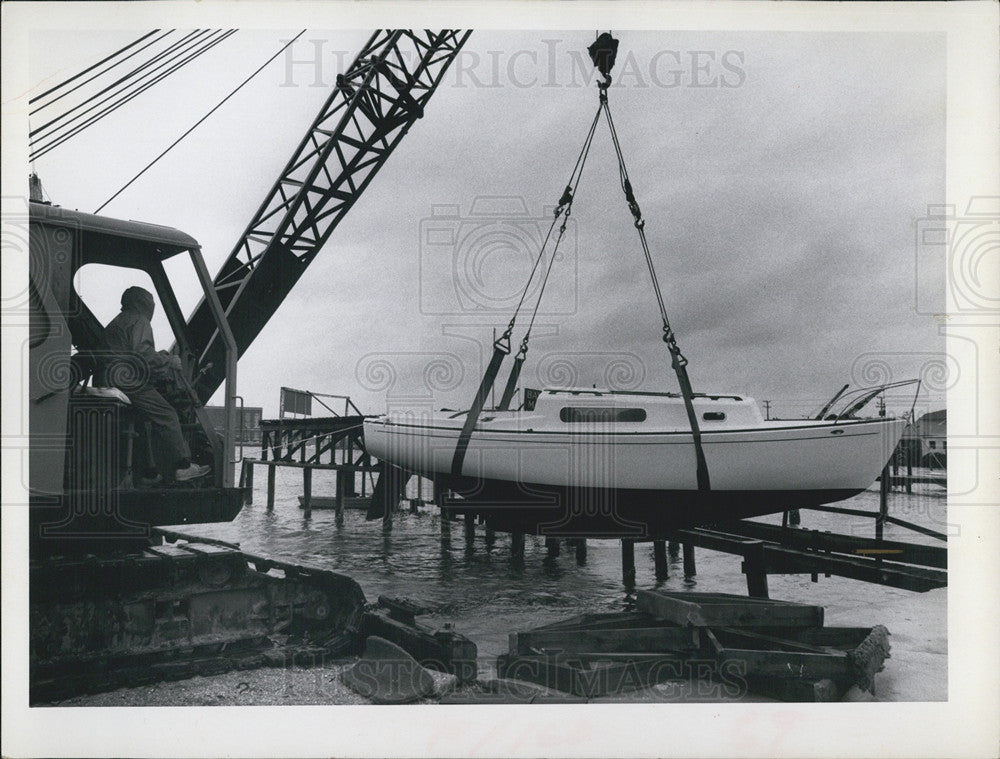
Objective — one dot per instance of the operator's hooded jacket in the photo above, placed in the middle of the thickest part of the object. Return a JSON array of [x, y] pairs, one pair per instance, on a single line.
[[129, 337]]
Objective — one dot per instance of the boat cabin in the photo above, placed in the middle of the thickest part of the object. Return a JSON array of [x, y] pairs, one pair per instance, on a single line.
[[655, 411]]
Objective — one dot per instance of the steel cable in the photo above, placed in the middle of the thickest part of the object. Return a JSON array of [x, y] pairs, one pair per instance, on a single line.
[[199, 122], [55, 142], [188, 40], [91, 68], [562, 210]]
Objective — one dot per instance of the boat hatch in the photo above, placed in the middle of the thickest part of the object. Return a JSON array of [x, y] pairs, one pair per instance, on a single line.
[[595, 414]]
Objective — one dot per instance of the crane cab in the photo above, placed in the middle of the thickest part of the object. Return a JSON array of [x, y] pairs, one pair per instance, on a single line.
[[88, 449]]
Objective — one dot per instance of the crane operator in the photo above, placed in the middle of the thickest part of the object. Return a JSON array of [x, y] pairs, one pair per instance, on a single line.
[[129, 338]]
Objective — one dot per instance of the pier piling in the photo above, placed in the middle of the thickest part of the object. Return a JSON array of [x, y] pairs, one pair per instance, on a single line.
[[470, 530], [441, 501], [660, 560], [552, 547], [517, 547], [628, 562], [581, 551], [390, 507], [270, 486], [755, 568], [307, 484], [246, 481], [689, 568], [883, 502], [339, 492]]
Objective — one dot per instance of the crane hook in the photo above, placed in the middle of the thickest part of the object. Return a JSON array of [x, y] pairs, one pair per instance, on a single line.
[[603, 52]]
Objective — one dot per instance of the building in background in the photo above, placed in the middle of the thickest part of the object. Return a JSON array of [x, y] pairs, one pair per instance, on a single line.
[[250, 427], [925, 442]]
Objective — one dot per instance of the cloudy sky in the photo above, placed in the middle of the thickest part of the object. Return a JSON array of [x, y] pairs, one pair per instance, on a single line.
[[783, 177]]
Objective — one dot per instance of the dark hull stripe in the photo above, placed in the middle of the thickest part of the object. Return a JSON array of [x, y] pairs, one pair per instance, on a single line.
[[532, 508]]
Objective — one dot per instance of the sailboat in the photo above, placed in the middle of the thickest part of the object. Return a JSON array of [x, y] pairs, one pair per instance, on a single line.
[[604, 462], [601, 460]]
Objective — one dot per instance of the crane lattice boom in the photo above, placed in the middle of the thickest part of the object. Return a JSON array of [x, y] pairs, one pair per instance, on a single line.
[[373, 105]]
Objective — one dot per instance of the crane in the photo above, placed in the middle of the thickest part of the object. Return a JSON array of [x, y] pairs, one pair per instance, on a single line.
[[372, 107], [97, 556]]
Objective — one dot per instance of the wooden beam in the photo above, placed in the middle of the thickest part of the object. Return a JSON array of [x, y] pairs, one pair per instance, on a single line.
[[708, 609]]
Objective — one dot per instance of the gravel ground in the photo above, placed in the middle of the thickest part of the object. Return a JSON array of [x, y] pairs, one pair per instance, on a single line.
[[259, 687]]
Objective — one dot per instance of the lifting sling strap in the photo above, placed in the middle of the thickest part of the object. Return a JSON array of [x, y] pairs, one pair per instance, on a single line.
[[511, 388], [677, 360], [502, 346], [500, 349], [603, 53]]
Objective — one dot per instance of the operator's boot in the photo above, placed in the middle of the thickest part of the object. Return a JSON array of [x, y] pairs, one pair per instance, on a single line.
[[191, 472]]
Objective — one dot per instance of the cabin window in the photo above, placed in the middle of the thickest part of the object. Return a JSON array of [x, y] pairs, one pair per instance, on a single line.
[[713, 416], [933, 444], [601, 414]]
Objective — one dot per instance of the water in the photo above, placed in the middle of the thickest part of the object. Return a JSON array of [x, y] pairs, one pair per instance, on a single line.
[[486, 596]]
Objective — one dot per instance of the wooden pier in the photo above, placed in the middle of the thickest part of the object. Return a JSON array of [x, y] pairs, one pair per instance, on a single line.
[[334, 443]]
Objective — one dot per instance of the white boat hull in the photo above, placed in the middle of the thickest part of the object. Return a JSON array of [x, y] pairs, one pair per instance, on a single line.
[[519, 465]]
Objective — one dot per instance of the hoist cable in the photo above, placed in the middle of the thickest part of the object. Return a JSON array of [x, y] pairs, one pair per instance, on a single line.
[[57, 141], [677, 359], [91, 68], [501, 347], [562, 229], [116, 100], [180, 47], [603, 55], [563, 210], [128, 92], [199, 122], [555, 217]]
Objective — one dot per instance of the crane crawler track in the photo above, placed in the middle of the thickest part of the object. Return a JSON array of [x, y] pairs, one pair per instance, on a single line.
[[175, 610]]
